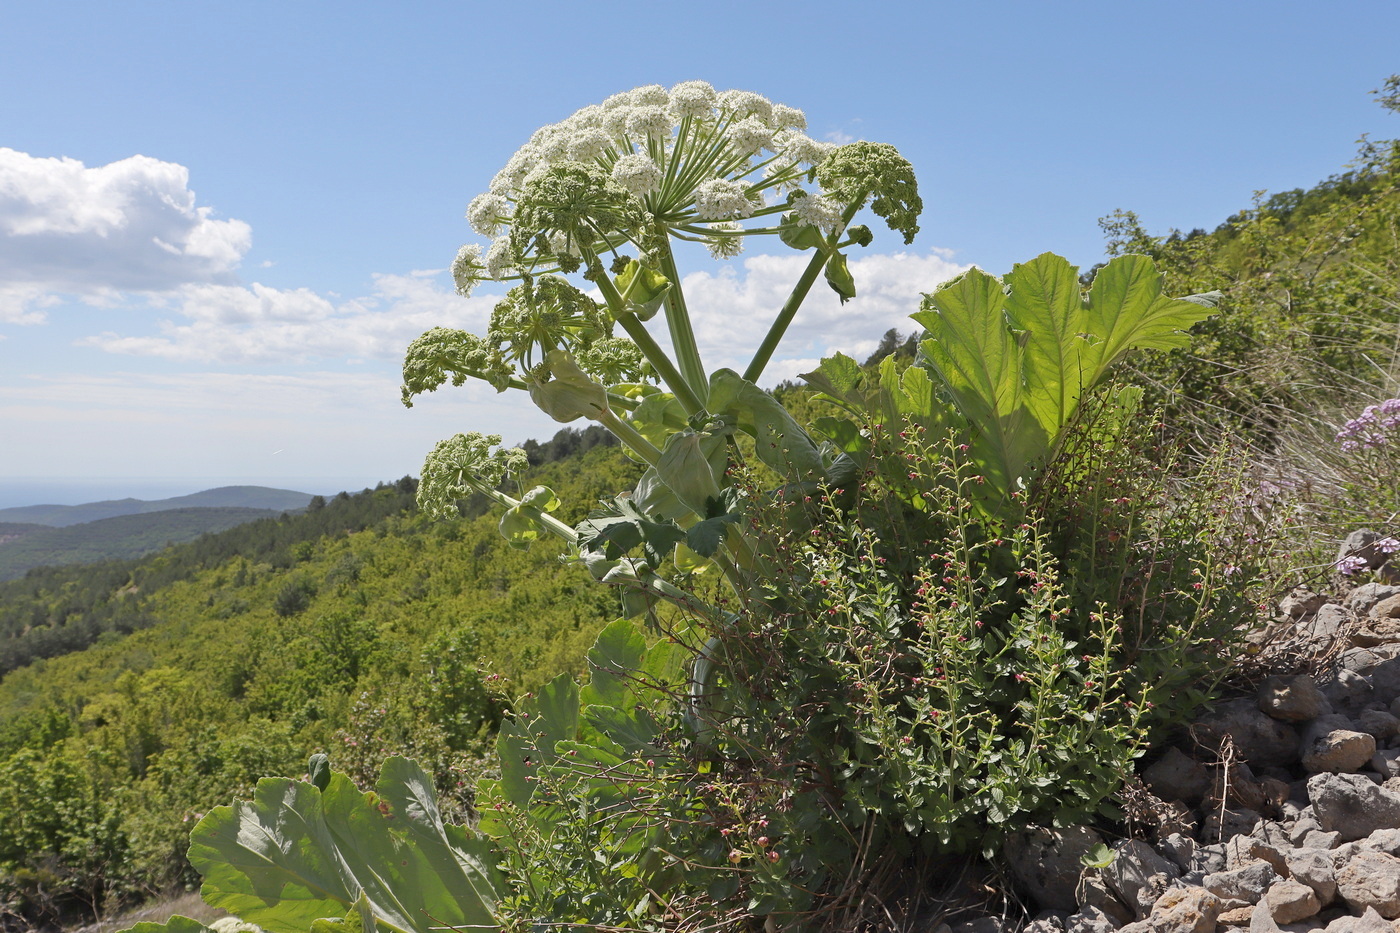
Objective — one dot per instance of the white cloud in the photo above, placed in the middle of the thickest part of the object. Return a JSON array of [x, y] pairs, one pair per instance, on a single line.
[[731, 308], [733, 312], [131, 225], [260, 324]]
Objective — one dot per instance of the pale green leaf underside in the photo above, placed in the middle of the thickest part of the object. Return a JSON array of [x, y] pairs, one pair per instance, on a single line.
[[293, 855]]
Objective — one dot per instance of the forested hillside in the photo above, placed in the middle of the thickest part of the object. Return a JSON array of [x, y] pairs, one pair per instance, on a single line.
[[125, 536], [138, 694]]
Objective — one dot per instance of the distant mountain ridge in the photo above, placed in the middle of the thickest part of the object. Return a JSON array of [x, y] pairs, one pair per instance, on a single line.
[[120, 537], [263, 498]]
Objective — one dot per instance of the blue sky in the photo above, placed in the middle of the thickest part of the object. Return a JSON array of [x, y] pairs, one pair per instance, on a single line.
[[233, 306]]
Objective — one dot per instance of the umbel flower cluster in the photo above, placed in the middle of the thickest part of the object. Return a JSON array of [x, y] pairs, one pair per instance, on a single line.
[[600, 197], [604, 192]]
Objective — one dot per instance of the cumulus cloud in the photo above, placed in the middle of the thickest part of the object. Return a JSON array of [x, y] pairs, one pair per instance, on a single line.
[[731, 308], [732, 312], [260, 324], [131, 225]]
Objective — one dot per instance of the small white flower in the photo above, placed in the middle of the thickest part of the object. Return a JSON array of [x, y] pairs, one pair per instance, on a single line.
[[801, 148], [487, 211], [788, 118], [615, 120], [637, 173], [649, 95], [818, 211], [588, 144], [512, 177], [500, 258], [585, 117], [622, 99], [727, 244], [650, 122], [692, 99], [466, 269], [553, 146], [742, 104], [722, 198], [561, 245], [749, 135]]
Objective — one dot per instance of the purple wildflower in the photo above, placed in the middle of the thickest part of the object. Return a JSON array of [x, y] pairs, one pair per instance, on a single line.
[[1350, 565], [1373, 428], [1387, 545]]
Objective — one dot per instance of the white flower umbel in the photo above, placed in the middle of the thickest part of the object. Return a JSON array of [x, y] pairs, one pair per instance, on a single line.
[[725, 241], [722, 199], [588, 143], [788, 118], [467, 269], [692, 99], [749, 135], [486, 212], [818, 211], [637, 173], [501, 261]]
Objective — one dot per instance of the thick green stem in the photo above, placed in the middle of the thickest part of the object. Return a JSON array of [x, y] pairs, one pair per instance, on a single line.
[[678, 321], [794, 301], [631, 437], [649, 347]]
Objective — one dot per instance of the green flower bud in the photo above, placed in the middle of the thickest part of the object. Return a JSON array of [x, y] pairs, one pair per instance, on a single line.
[[838, 276], [461, 465], [862, 170]]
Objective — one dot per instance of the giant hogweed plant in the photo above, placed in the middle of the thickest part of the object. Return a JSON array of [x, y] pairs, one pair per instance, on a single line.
[[598, 202], [604, 812]]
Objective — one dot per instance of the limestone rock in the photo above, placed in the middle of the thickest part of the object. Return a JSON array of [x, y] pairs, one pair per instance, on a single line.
[[1331, 744], [1326, 626], [1301, 602], [1292, 699], [1313, 867], [1243, 885], [1228, 823], [1093, 891], [1175, 776], [1371, 880], [1138, 875], [1046, 862], [1289, 901], [1258, 739], [1180, 910], [1090, 919], [1379, 630], [1388, 608], [1369, 922], [1352, 805], [1378, 723], [1365, 597]]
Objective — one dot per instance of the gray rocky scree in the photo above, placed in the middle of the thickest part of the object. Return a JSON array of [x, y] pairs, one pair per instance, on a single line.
[[1301, 833]]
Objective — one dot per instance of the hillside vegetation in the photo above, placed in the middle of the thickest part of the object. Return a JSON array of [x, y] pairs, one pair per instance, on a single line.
[[924, 655], [140, 693], [123, 537]]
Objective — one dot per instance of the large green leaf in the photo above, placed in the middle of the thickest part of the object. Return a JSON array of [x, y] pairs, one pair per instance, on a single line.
[[1017, 357], [293, 855], [779, 440], [971, 349]]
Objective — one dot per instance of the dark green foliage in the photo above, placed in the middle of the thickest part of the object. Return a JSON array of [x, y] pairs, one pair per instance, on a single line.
[[119, 538], [173, 683]]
